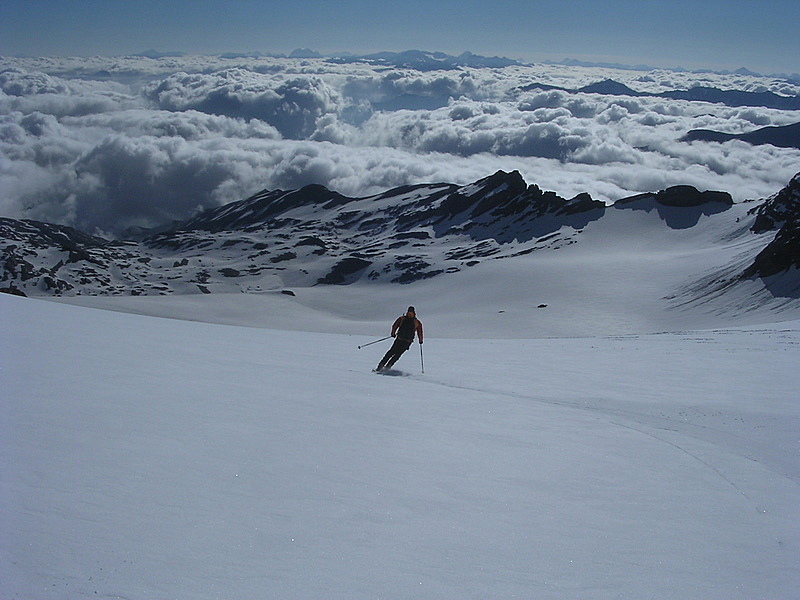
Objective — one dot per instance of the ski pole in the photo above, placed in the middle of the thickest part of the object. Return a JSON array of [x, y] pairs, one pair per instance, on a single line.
[[375, 342], [421, 360]]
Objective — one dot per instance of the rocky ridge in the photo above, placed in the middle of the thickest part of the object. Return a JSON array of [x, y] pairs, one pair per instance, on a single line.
[[314, 235]]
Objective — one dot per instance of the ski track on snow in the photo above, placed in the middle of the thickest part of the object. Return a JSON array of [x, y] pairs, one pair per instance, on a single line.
[[609, 415]]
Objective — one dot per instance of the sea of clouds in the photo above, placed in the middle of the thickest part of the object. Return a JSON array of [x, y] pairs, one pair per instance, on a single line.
[[105, 144]]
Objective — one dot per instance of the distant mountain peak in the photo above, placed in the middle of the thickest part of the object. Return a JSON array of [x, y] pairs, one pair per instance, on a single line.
[[424, 60], [305, 53], [786, 136], [609, 87], [734, 98], [156, 54]]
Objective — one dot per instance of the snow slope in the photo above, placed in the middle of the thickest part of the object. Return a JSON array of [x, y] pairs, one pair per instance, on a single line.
[[155, 458]]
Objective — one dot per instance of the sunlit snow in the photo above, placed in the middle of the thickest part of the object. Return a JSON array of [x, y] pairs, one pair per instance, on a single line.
[[146, 457]]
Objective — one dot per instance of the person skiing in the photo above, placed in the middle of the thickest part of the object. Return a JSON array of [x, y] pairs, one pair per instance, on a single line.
[[403, 330]]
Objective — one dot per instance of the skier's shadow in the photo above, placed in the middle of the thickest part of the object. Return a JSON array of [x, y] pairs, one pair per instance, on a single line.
[[391, 373]]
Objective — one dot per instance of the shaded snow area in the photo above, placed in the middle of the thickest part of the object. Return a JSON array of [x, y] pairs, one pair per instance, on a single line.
[[150, 458]]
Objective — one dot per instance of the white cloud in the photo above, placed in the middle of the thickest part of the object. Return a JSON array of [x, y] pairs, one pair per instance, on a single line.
[[104, 144], [38, 92], [292, 106]]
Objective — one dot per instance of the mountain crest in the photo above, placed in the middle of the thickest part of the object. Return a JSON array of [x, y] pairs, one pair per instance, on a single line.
[[260, 208], [314, 235]]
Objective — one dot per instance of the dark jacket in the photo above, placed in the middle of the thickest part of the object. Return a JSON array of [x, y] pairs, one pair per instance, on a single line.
[[396, 326]]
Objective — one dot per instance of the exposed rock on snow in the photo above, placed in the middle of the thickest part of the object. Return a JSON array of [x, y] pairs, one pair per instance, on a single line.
[[13, 291], [780, 209], [781, 212], [692, 204], [346, 271]]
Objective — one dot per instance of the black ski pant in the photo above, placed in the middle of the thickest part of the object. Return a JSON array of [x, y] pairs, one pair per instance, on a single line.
[[394, 353]]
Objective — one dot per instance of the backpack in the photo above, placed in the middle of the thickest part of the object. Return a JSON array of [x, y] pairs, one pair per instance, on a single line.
[[407, 329]]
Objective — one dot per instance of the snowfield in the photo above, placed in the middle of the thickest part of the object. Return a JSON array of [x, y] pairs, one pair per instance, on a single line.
[[152, 458]]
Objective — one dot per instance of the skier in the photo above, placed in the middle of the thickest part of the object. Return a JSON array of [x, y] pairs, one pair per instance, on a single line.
[[403, 330]]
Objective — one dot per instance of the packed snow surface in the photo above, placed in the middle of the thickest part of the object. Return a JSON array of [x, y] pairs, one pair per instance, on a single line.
[[153, 458]]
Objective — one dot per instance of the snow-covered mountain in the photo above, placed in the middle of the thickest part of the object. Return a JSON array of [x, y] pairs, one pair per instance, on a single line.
[[313, 235]]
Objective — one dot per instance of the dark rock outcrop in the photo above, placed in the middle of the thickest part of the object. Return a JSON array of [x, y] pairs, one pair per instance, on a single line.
[[680, 206], [345, 271], [781, 212], [13, 291], [781, 254], [782, 208]]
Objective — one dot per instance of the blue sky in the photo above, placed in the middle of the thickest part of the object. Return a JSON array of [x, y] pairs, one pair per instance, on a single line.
[[760, 35]]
